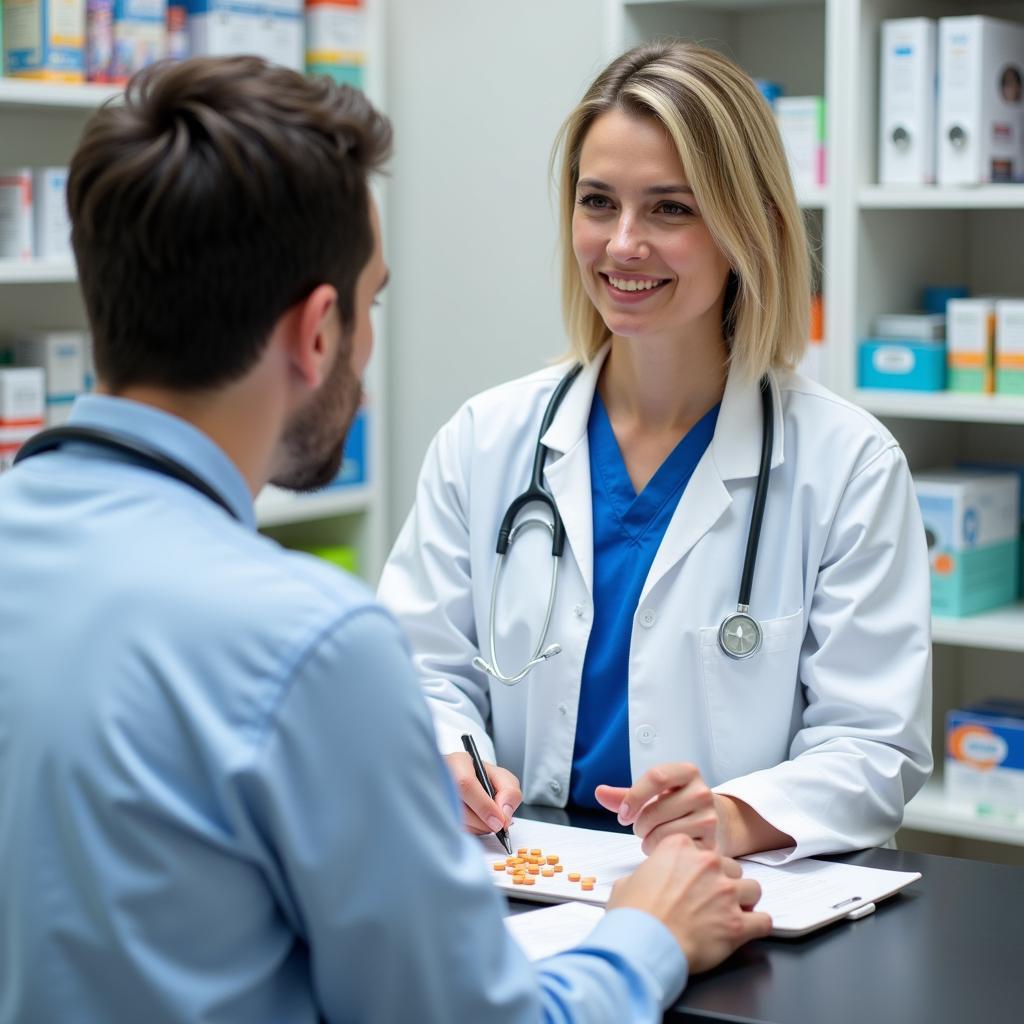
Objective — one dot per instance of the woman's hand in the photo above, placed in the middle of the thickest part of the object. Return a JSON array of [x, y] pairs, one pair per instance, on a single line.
[[667, 799], [673, 799], [480, 814]]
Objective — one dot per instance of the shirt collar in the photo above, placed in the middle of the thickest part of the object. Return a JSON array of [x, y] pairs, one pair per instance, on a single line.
[[736, 446], [175, 438]]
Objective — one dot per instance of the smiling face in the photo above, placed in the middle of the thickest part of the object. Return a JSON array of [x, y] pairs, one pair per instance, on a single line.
[[646, 258]]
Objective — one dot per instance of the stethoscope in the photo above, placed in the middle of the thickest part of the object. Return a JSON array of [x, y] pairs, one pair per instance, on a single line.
[[739, 635], [150, 458]]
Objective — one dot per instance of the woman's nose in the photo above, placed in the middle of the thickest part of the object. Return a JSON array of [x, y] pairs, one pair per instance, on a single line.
[[627, 242]]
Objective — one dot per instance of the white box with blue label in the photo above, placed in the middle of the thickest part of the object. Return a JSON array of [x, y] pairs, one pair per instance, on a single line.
[[984, 768], [901, 363], [266, 28], [972, 524]]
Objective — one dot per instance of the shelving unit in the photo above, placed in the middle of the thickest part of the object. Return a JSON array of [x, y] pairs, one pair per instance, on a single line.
[[40, 124], [879, 247]]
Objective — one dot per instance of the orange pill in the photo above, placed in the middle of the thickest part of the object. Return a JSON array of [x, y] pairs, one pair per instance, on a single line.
[[548, 872], [518, 879], [574, 876], [587, 886], [521, 850], [535, 853], [552, 858], [589, 878], [529, 881], [499, 865], [558, 869], [533, 869]]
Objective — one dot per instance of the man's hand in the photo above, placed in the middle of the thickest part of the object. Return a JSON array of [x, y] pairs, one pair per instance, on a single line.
[[480, 814], [699, 896]]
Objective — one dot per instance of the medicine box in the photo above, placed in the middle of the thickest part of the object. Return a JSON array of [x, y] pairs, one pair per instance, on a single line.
[[51, 224], [271, 29], [984, 767], [972, 527], [353, 468], [16, 214], [21, 409], [970, 344], [1009, 346], [139, 37], [907, 96], [981, 100], [901, 363], [336, 39], [801, 121], [61, 355], [918, 326], [45, 39]]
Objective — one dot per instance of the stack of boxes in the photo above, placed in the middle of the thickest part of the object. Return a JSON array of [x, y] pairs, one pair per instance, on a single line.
[[950, 101], [33, 214], [21, 409]]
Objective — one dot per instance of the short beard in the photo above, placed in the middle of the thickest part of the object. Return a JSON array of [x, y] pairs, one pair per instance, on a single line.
[[314, 438]]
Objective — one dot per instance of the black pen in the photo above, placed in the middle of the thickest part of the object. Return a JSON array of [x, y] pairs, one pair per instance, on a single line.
[[478, 767]]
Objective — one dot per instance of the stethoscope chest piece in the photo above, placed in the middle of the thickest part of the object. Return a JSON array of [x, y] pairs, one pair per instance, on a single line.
[[739, 635]]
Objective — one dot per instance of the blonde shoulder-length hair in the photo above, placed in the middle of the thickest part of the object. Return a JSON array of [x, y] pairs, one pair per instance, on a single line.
[[730, 147]]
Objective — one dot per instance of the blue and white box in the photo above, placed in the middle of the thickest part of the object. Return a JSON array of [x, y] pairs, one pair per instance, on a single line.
[[972, 525], [354, 461], [984, 768], [272, 29], [901, 363]]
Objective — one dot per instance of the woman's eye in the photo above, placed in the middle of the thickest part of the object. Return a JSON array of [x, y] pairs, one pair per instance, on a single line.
[[675, 209], [595, 202]]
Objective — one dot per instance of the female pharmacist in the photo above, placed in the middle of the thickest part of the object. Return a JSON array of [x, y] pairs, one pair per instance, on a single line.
[[713, 615]]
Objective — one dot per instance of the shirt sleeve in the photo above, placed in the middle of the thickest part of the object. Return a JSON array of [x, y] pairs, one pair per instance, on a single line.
[[864, 745], [427, 585], [360, 820]]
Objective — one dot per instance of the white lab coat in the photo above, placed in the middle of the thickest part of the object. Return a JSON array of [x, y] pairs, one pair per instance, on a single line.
[[825, 731]]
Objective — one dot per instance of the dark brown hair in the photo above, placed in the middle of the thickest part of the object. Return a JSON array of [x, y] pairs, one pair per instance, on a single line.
[[218, 194]]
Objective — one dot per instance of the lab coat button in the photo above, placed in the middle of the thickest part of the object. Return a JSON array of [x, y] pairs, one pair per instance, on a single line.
[[648, 618], [555, 786], [578, 611], [563, 710], [646, 733]]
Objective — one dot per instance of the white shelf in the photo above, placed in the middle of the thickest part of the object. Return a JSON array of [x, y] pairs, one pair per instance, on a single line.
[[937, 197], [735, 5], [275, 507], [1001, 629], [36, 271], [26, 93], [942, 405], [929, 811]]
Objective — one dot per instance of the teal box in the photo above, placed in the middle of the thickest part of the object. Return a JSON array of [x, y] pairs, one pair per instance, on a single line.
[[972, 524], [901, 363], [1018, 471]]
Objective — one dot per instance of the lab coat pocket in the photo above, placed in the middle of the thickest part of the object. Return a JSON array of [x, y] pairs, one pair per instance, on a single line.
[[752, 703]]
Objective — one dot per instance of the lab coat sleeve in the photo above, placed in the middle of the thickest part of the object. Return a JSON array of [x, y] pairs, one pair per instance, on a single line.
[[864, 745], [428, 586], [359, 822]]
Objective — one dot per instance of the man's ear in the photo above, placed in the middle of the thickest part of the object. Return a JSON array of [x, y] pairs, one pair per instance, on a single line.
[[315, 335]]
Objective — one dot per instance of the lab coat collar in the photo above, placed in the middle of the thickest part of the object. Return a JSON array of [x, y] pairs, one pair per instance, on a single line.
[[570, 422], [736, 446]]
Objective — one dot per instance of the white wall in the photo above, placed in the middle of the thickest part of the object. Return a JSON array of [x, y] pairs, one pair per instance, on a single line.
[[476, 90]]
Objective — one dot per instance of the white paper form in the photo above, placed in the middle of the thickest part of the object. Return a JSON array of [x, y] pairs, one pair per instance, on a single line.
[[608, 856], [552, 930], [800, 896]]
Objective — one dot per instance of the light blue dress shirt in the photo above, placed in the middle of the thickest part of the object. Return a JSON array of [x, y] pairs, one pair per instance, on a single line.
[[220, 795]]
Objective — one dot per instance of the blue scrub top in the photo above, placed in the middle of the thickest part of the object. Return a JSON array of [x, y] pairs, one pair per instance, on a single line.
[[628, 529]]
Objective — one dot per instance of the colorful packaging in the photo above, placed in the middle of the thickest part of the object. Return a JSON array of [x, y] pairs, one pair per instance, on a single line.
[[970, 344], [972, 525], [16, 214], [984, 768], [901, 363], [21, 409], [177, 32], [45, 39], [336, 39], [99, 40], [267, 28], [51, 224], [1009, 347]]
